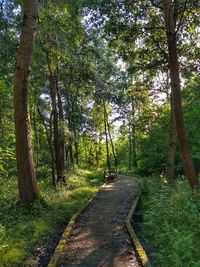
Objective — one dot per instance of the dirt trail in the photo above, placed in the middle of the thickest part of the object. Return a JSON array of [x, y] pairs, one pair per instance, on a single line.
[[99, 238]]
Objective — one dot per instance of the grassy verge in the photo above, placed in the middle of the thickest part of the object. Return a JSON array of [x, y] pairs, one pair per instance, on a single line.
[[171, 223], [21, 230]]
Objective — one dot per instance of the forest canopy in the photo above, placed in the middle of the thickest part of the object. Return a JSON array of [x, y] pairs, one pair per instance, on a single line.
[[98, 85]]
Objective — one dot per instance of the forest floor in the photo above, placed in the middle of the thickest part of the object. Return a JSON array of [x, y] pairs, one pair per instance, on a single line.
[[28, 237], [99, 237]]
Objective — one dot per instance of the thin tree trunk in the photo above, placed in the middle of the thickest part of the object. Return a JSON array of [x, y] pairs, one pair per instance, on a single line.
[[76, 147], [57, 117], [61, 133], [130, 149], [71, 155], [36, 137], [134, 155], [50, 144], [134, 161], [170, 168], [56, 130], [112, 145], [25, 165], [99, 148], [170, 22], [106, 134]]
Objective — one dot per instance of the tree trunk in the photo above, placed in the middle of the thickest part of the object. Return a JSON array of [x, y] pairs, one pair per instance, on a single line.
[[106, 134], [49, 135], [111, 141], [99, 148], [61, 139], [56, 130], [170, 22], [130, 149], [134, 162], [71, 155], [25, 166], [134, 155], [76, 147], [37, 139], [170, 168]]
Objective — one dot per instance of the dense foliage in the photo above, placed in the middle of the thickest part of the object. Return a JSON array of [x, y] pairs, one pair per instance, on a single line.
[[98, 92], [171, 222]]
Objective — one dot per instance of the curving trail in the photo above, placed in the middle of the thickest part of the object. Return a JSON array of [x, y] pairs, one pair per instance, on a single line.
[[99, 237]]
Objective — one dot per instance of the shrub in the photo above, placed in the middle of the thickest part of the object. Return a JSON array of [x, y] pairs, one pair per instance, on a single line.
[[171, 223]]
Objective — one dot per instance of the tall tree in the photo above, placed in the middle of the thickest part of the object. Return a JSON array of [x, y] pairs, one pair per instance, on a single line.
[[170, 167], [170, 15], [26, 170]]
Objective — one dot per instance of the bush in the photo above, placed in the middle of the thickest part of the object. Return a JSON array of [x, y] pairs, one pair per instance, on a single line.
[[171, 223]]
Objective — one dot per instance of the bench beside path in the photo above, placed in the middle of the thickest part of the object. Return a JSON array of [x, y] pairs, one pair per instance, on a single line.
[[99, 237]]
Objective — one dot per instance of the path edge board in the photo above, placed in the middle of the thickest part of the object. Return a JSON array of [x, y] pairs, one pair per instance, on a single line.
[[140, 250], [63, 240]]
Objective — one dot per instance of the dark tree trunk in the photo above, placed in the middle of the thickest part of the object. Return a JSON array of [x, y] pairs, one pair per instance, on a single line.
[[71, 155], [76, 147], [56, 130], [26, 170], [170, 22], [49, 134], [37, 139], [52, 150], [170, 168], [130, 149], [99, 148], [58, 118], [61, 140], [134, 154]]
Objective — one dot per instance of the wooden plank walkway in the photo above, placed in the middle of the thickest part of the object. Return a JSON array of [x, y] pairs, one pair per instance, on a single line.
[[99, 237]]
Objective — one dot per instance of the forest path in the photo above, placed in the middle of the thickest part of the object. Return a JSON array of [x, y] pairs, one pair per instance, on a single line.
[[99, 237]]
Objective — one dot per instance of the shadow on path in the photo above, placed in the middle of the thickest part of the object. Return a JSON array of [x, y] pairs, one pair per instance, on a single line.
[[99, 237]]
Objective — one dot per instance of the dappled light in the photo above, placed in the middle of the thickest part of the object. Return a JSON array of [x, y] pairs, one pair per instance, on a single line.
[[99, 117]]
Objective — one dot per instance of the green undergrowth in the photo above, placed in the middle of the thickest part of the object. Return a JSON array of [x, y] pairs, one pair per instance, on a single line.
[[22, 230], [171, 222]]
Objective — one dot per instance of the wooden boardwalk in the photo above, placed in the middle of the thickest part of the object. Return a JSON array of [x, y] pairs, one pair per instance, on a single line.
[[99, 237]]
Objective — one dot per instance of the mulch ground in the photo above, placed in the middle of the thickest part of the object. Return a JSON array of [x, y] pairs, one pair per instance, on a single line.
[[99, 237]]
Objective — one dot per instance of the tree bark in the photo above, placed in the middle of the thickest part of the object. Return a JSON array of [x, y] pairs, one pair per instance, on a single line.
[[134, 154], [61, 139], [170, 168], [111, 141], [170, 22], [25, 166], [134, 162], [76, 147], [106, 134], [50, 144], [130, 148], [57, 138]]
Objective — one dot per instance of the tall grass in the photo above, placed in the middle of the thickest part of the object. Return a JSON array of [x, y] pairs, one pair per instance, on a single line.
[[22, 230], [171, 222]]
